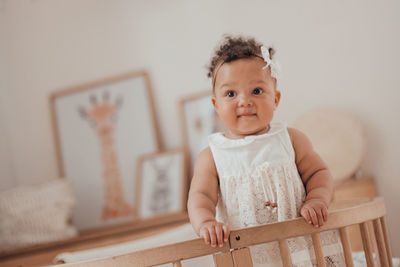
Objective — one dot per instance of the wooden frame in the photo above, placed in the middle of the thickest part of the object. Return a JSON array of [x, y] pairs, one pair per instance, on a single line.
[[198, 120], [235, 253], [161, 184], [98, 144]]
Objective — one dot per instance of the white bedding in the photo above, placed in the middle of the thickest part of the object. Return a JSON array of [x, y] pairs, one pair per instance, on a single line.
[[181, 233]]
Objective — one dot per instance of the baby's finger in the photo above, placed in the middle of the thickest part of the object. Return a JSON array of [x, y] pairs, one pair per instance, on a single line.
[[314, 218], [320, 217], [226, 230], [219, 234], [213, 236], [325, 214], [205, 235], [305, 214]]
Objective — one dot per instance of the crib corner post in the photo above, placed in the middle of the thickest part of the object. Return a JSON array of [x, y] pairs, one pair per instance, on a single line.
[[242, 257], [223, 259]]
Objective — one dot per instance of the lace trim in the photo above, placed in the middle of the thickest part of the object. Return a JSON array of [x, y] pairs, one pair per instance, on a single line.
[[219, 140]]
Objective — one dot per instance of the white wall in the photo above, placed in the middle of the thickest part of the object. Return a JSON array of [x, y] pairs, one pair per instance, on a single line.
[[340, 54]]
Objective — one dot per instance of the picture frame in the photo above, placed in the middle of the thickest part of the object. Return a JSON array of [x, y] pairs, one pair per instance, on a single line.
[[161, 184], [198, 120], [100, 130]]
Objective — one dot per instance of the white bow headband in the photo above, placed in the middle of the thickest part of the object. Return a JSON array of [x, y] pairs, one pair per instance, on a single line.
[[270, 63]]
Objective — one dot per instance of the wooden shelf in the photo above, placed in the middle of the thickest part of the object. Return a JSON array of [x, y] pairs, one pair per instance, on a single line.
[[356, 188]]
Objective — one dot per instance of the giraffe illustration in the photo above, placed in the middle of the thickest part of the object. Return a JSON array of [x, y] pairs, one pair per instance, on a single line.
[[102, 118]]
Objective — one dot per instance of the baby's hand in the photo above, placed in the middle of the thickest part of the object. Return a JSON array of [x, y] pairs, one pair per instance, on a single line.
[[315, 211], [214, 233]]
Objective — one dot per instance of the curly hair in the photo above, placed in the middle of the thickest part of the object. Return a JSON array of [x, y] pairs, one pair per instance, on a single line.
[[234, 48]]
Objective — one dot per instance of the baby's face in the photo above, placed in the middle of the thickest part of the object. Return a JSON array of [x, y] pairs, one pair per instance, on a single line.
[[245, 97]]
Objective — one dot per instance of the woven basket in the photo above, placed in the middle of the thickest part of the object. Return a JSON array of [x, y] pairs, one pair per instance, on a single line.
[[31, 215]]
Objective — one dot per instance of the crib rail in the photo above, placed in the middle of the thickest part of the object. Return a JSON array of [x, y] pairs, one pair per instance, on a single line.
[[368, 214]]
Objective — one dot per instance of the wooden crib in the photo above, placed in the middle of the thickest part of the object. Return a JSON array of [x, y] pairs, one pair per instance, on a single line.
[[367, 213]]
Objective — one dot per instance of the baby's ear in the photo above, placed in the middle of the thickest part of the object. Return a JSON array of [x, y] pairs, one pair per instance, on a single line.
[[277, 98], [214, 102]]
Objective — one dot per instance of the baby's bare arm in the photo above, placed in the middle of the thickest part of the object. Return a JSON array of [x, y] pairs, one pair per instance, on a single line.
[[316, 177], [203, 197]]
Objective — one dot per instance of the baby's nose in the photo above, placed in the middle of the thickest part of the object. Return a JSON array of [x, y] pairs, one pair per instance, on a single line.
[[245, 101]]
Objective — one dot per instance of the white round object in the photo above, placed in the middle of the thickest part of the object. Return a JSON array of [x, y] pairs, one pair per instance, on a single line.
[[338, 138]]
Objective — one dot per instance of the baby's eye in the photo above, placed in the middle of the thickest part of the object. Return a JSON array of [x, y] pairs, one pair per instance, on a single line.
[[258, 91], [230, 94]]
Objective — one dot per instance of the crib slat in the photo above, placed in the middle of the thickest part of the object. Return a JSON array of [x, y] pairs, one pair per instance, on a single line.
[[373, 243], [380, 242], [223, 259], [366, 238], [318, 249], [344, 237], [177, 264], [285, 254], [242, 257], [387, 244]]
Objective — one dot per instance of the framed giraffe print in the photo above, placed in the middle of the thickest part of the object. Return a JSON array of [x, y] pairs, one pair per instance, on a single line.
[[198, 120], [101, 128], [161, 184]]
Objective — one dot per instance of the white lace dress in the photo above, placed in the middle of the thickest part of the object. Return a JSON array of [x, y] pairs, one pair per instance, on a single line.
[[259, 169]]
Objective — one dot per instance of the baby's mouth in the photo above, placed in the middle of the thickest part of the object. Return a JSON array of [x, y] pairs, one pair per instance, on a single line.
[[246, 115]]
